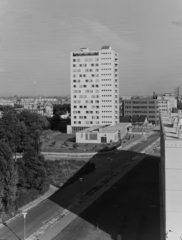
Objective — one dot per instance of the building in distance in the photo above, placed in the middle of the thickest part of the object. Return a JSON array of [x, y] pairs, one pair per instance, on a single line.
[[94, 88]]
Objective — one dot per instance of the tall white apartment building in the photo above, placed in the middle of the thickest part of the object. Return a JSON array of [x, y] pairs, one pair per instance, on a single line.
[[94, 88]]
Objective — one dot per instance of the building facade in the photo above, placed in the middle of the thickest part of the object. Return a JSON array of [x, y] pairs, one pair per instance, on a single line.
[[164, 106], [142, 106], [103, 134], [94, 88], [170, 97], [171, 177]]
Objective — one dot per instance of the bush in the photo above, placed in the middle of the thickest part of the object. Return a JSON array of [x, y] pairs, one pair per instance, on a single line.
[[86, 169], [44, 188], [26, 198], [67, 171], [75, 145]]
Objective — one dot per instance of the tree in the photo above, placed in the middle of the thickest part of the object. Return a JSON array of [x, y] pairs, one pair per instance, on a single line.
[[9, 177], [59, 109], [34, 170], [35, 124], [14, 132]]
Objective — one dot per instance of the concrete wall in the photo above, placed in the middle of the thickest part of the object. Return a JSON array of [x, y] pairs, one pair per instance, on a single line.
[[162, 183], [173, 187]]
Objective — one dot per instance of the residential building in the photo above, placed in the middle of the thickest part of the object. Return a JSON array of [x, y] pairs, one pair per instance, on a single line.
[[168, 96], [142, 106], [164, 106], [94, 88], [171, 176], [6, 102]]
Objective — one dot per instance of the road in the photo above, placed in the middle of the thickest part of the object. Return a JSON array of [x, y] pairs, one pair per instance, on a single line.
[[44, 211], [135, 193]]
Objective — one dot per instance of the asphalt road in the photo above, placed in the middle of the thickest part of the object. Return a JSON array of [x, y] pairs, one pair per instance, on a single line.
[[44, 211], [119, 210]]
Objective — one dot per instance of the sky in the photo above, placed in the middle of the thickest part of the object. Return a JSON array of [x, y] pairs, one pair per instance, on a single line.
[[37, 36]]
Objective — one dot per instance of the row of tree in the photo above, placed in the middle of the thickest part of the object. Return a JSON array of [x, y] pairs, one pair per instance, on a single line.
[[20, 132]]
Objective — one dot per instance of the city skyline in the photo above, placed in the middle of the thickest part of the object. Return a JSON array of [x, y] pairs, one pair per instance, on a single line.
[[36, 38]]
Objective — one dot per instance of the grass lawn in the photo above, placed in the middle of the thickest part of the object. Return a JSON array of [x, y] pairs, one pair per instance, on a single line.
[[128, 211]]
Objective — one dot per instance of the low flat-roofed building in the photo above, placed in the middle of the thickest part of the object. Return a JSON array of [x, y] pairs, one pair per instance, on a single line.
[[102, 134], [171, 176]]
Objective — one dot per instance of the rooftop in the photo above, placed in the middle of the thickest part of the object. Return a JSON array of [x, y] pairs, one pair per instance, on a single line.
[[106, 128], [171, 125]]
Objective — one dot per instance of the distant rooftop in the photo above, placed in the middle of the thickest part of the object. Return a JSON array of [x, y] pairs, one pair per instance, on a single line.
[[106, 48], [171, 125]]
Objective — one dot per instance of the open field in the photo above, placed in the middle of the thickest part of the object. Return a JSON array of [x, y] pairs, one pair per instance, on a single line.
[[128, 211]]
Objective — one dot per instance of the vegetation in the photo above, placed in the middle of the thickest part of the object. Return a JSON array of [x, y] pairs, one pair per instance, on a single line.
[[23, 180], [60, 109], [8, 177], [66, 172], [56, 123]]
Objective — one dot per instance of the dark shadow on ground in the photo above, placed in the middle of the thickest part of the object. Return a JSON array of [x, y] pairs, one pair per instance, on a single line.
[[72, 139], [128, 210]]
